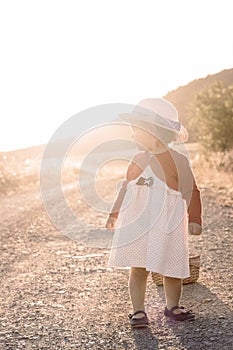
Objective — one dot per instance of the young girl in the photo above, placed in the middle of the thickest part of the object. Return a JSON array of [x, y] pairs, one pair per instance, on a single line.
[[157, 205]]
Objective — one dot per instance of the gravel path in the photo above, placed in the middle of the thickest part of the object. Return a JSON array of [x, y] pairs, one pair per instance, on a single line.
[[59, 294]]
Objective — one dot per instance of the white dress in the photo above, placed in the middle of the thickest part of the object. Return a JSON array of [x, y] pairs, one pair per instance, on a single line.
[[152, 228]]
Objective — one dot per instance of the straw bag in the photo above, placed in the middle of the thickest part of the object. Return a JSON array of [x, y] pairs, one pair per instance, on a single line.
[[194, 265]]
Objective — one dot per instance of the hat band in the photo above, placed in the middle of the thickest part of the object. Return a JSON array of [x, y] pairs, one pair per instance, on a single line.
[[158, 119]]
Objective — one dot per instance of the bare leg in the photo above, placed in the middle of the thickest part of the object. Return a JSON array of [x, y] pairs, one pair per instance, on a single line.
[[173, 292], [137, 288]]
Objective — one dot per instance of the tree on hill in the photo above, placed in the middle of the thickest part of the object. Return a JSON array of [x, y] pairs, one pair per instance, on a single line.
[[183, 96], [212, 119]]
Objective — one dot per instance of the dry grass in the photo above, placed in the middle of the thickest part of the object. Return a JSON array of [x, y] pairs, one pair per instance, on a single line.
[[20, 171], [213, 174]]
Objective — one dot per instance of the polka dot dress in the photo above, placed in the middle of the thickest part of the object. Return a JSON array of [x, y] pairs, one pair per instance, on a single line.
[[152, 228]]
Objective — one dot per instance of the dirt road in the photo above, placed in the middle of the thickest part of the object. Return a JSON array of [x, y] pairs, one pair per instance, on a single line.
[[59, 294]]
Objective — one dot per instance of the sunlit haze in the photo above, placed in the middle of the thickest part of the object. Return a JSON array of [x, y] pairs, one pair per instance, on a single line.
[[59, 58]]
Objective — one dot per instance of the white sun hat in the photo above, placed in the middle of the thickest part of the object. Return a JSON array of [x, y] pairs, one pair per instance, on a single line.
[[160, 112]]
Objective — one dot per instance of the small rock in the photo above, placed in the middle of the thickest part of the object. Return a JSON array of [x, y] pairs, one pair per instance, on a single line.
[[207, 300]]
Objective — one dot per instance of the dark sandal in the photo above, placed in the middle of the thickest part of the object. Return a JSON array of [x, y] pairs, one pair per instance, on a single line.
[[138, 322], [183, 316]]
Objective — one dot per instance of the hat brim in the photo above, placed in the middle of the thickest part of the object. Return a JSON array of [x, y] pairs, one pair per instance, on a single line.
[[178, 128]]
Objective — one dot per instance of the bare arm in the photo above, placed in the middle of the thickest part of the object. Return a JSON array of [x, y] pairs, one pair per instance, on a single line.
[[134, 169], [191, 193], [118, 200]]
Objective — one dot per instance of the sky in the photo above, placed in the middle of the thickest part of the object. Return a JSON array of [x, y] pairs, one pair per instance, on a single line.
[[59, 58]]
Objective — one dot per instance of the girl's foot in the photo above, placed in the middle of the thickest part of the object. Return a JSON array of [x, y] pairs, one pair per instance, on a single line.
[[183, 315], [137, 322]]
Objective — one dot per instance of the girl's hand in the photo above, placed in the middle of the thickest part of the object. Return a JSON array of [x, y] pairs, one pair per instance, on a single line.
[[195, 228], [110, 224]]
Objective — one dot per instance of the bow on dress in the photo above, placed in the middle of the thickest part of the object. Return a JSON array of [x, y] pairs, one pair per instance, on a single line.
[[142, 181]]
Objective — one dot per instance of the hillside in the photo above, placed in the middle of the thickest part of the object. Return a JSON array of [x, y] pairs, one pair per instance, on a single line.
[[181, 98], [184, 95]]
